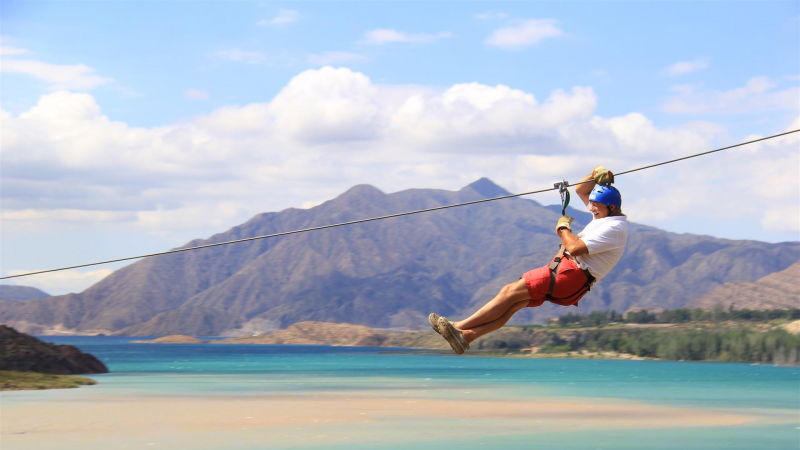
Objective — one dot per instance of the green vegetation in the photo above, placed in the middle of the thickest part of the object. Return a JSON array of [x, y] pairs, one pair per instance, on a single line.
[[680, 334], [720, 344], [682, 315], [13, 380]]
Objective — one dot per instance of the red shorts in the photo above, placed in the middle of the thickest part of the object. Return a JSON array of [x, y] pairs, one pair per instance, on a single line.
[[569, 281]]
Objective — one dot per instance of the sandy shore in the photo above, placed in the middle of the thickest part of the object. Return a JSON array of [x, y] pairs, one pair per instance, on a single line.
[[325, 418]]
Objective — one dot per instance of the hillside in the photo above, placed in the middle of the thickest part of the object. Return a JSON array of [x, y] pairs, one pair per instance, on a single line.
[[173, 339], [319, 333], [18, 293], [780, 290], [385, 274], [23, 353], [730, 341]]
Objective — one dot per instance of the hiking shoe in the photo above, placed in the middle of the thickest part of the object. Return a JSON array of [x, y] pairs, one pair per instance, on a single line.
[[453, 336], [434, 320]]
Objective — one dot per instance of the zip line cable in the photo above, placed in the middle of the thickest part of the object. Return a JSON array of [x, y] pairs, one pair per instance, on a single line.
[[352, 222]]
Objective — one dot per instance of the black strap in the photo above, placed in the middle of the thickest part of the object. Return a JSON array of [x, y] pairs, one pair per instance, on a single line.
[[553, 273], [587, 286]]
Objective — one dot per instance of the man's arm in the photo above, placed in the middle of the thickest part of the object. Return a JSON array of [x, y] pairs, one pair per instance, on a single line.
[[584, 190], [573, 244]]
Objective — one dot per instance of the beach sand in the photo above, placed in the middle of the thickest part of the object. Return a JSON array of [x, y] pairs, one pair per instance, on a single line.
[[324, 418]]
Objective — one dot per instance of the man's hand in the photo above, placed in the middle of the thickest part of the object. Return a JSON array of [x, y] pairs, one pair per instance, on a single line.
[[564, 222], [602, 175]]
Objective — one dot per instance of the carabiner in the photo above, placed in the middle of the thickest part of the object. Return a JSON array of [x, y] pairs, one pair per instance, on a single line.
[[562, 189]]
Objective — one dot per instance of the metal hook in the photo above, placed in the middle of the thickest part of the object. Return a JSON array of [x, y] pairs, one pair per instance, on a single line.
[[562, 189]]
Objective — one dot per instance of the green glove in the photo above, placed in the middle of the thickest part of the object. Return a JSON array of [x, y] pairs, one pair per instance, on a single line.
[[602, 175], [564, 222]]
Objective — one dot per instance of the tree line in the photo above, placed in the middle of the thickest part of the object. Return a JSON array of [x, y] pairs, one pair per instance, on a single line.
[[776, 346], [682, 315], [708, 342]]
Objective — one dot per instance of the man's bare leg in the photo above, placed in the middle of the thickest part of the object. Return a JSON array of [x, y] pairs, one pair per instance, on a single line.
[[509, 297], [470, 334]]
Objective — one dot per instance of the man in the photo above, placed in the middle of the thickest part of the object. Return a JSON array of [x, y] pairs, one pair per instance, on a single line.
[[582, 260]]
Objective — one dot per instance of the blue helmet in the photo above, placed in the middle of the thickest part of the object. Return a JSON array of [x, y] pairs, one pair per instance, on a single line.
[[607, 195]]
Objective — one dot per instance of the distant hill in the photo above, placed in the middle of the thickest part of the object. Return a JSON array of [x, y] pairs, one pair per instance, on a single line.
[[389, 273], [17, 293], [780, 290], [688, 341], [321, 333], [173, 339]]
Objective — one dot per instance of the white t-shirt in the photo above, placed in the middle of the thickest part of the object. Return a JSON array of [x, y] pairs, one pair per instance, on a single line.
[[605, 238]]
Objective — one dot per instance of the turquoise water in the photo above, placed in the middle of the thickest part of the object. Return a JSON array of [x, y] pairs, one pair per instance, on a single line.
[[205, 370]]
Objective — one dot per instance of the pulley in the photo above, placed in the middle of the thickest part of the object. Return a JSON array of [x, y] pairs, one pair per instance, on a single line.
[[562, 189]]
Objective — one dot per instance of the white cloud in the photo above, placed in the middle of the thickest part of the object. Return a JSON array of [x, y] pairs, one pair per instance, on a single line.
[[491, 15], [757, 95], [64, 105], [64, 215], [77, 76], [783, 219], [710, 188], [682, 67], [310, 204], [284, 17], [524, 33], [62, 282], [335, 58], [242, 56], [11, 51], [162, 221], [64, 161], [196, 94], [385, 36]]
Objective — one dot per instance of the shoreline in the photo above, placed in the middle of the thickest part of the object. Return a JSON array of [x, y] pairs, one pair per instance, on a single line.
[[610, 356], [335, 417]]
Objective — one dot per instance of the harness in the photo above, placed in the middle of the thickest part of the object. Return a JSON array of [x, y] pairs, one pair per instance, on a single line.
[[587, 286], [562, 189]]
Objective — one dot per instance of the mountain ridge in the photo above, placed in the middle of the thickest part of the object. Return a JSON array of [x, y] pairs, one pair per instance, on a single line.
[[778, 290], [386, 274], [20, 293]]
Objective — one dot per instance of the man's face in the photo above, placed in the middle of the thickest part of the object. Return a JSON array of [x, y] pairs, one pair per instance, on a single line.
[[598, 210]]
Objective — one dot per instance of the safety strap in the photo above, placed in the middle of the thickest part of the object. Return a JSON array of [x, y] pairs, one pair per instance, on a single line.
[[554, 270], [554, 273]]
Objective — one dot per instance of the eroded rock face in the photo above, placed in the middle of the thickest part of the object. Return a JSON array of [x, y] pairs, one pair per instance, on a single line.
[[25, 353]]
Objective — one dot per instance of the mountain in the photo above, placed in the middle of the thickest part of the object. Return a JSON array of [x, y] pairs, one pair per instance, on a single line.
[[17, 293], [780, 290], [387, 274]]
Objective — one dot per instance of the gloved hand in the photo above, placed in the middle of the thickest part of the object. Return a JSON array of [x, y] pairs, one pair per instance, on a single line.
[[564, 222], [602, 175]]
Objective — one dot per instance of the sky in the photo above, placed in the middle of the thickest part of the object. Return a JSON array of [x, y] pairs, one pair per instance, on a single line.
[[132, 127]]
